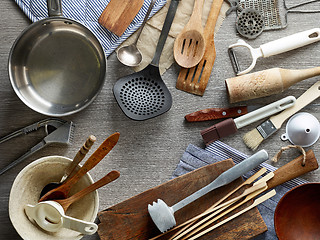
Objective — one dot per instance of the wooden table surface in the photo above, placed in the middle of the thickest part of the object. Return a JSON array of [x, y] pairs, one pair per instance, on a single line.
[[148, 151]]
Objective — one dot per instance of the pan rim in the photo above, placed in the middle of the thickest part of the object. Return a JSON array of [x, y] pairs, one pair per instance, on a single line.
[[100, 55]]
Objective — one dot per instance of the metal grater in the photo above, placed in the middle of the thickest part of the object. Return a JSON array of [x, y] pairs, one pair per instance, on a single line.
[[275, 11], [268, 8]]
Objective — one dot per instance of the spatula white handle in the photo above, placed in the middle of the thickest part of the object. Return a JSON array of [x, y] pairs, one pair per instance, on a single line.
[[290, 42], [265, 111], [225, 178]]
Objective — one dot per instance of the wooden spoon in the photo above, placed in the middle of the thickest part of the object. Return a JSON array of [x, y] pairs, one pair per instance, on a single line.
[[62, 191], [189, 45], [111, 176]]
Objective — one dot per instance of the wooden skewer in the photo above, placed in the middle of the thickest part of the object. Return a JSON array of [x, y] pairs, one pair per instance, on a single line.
[[259, 188], [205, 222], [190, 221], [254, 204], [262, 181]]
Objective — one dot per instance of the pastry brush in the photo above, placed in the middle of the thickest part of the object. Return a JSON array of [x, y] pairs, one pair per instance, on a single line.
[[253, 138], [231, 126]]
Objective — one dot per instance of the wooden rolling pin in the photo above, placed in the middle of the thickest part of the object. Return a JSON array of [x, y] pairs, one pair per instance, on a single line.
[[265, 83]]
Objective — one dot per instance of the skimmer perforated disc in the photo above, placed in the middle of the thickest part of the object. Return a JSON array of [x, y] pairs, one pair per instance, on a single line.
[[142, 95], [250, 23]]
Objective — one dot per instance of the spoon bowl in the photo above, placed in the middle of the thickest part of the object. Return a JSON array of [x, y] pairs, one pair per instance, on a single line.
[[130, 55], [189, 45]]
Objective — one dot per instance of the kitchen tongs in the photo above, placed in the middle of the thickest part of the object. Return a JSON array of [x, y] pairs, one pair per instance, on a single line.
[[57, 131]]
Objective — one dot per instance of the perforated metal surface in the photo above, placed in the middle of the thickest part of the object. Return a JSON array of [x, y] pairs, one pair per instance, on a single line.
[[250, 23], [142, 95]]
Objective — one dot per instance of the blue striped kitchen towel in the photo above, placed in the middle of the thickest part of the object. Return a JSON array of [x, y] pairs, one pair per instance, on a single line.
[[195, 157], [87, 12]]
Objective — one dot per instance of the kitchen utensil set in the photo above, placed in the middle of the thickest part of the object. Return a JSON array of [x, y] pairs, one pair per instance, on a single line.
[[256, 136], [49, 215], [194, 80], [163, 215], [231, 126], [69, 172], [62, 191], [144, 95], [285, 173]]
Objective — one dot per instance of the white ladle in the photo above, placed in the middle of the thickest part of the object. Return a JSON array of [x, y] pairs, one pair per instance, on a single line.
[[130, 55], [49, 215]]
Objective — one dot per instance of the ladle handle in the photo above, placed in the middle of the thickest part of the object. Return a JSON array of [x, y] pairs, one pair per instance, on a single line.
[[145, 20], [165, 31]]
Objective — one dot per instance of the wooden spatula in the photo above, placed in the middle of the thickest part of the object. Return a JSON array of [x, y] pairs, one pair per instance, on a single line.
[[118, 15], [194, 80]]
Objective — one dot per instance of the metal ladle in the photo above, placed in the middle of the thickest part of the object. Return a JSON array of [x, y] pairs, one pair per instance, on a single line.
[[130, 55]]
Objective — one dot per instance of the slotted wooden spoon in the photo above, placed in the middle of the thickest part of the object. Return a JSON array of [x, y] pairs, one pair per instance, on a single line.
[[189, 45], [194, 80]]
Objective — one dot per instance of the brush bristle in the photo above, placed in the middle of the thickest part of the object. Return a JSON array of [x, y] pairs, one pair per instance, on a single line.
[[253, 139]]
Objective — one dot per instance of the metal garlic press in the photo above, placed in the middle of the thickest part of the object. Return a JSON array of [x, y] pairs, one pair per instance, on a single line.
[[57, 131]]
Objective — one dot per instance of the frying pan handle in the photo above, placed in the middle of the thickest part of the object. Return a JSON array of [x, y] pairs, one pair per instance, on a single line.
[[54, 8]]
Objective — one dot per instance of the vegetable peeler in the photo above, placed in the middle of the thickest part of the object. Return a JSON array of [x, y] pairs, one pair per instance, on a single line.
[[57, 131], [273, 48]]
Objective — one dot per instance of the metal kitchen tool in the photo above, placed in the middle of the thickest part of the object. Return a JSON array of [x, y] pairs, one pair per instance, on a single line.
[[143, 95], [69, 171], [57, 66], [302, 129], [130, 55], [62, 191], [275, 11], [51, 217], [163, 215], [272, 48], [189, 45], [250, 23], [234, 5], [57, 131]]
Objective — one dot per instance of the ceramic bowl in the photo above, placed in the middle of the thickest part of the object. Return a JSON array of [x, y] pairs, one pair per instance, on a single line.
[[26, 189], [297, 215]]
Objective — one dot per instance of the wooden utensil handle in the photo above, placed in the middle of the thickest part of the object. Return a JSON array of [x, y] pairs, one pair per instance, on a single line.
[[94, 159], [215, 113], [293, 169], [111, 176], [79, 156]]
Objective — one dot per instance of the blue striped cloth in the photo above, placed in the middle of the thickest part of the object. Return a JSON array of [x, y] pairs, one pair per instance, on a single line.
[[195, 157], [87, 12]]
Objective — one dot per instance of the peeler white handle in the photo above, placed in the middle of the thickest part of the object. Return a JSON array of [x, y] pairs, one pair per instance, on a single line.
[[265, 111], [290, 42]]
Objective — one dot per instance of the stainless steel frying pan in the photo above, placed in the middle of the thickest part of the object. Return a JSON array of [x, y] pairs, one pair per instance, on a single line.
[[57, 66]]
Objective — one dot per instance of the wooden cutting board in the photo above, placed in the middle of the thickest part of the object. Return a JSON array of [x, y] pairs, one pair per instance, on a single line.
[[130, 219], [118, 15]]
